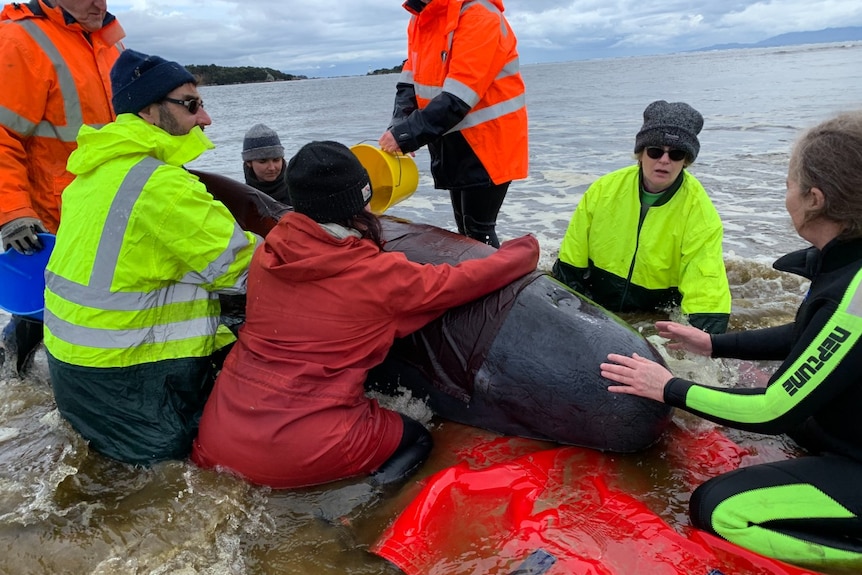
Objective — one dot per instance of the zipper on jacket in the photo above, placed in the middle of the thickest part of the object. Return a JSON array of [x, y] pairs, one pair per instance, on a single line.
[[644, 209]]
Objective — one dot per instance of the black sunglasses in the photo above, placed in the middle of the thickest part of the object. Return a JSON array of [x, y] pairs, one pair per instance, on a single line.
[[192, 105], [674, 155]]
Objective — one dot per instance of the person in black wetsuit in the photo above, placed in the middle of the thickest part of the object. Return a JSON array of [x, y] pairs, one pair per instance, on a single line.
[[804, 510]]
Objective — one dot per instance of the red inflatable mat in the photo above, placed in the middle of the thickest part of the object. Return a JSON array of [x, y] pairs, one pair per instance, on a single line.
[[566, 511]]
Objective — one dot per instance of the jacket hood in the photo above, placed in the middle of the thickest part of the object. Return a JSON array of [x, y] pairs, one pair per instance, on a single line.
[[412, 5], [130, 135], [300, 250]]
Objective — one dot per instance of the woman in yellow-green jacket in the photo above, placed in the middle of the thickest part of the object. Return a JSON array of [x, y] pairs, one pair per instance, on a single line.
[[647, 237]]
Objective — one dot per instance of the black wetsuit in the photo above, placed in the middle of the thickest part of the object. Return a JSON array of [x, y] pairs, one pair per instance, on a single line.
[[805, 510]]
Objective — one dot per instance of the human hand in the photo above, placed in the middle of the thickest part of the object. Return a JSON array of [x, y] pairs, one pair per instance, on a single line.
[[20, 235], [638, 376], [388, 143], [686, 337]]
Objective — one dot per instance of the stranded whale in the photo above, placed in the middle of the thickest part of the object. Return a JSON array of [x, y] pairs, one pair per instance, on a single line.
[[523, 360]]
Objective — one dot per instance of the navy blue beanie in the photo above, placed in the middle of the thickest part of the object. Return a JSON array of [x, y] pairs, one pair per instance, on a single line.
[[138, 80]]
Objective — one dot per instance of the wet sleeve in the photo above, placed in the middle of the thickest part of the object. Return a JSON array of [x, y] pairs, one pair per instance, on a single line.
[[426, 291], [703, 277], [405, 102], [771, 343], [573, 277], [825, 360]]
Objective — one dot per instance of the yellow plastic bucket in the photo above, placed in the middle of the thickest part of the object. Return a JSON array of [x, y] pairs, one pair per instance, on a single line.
[[393, 178]]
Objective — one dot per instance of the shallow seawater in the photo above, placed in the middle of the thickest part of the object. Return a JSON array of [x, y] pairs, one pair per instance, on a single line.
[[65, 509]]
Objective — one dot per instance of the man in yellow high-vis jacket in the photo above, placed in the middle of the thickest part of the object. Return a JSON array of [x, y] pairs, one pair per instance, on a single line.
[[142, 253]]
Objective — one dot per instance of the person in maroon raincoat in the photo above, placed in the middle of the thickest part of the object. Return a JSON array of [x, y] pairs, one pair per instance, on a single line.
[[325, 304]]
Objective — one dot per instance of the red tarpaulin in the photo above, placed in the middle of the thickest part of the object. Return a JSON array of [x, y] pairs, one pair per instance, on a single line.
[[567, 511]]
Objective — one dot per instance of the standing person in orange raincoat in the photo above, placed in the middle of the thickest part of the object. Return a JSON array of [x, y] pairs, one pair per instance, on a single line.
[[325, 304], [57, 57], [461, 94]]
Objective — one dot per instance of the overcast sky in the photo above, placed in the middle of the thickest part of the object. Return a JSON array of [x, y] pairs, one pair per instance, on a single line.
[[347, 37]]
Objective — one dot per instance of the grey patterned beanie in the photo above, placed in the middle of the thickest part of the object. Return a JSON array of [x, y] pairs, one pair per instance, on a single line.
[[260, 143], [674, 124]]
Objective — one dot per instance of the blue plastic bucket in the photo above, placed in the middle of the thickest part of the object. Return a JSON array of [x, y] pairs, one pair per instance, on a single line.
[[22, 279]]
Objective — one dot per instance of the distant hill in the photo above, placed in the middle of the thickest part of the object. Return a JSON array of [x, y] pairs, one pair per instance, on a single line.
[[213, 75], [827, 35]]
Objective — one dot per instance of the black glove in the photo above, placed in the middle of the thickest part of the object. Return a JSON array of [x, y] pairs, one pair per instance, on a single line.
[[20, 234]]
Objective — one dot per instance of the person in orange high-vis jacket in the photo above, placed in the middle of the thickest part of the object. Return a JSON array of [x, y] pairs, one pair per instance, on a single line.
[[56, 58], [461, 94]]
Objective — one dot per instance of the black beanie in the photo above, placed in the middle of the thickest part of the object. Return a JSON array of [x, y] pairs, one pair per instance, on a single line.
[[675, 125], [327, 183], [138, 80]]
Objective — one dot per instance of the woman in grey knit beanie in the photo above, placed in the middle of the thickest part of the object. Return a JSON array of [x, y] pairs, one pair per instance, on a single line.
[[647, 237], [263, 162]]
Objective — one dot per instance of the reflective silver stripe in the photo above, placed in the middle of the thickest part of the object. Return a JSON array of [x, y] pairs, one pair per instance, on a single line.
[[222, 264], [406, 77], [71, 101], [130, 338], [498, 110], [97, 293], [461, 91], [111, 242], [510, 69], [427, 92], [491, 8], [120, 301], [16, 122]]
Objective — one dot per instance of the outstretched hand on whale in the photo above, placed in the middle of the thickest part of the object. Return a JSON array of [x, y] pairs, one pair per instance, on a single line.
[[646, 378]]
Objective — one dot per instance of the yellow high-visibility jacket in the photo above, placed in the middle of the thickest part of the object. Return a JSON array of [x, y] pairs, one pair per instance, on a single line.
[[630, 257]]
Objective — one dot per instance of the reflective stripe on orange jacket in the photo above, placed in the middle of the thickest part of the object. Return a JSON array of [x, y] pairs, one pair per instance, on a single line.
[[467, 48], [54, 80]]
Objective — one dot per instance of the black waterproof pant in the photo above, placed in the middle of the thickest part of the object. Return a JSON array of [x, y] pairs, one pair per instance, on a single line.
[[21, 337], [476, 211]]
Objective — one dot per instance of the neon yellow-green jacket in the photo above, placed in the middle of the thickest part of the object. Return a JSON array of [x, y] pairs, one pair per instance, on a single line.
[[142, 252], [629, 257]]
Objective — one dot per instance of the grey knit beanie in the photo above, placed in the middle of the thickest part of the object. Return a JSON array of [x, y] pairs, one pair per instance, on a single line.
[[260, 143], [674, 124]]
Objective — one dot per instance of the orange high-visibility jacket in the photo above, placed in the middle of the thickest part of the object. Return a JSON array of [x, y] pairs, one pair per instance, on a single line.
[[467, 48], [55, 78]]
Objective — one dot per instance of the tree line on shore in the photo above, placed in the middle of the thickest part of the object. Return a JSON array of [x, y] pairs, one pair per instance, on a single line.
[[213, 75]]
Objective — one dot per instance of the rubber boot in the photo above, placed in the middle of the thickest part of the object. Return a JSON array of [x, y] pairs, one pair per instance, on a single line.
[[21, 338], [485, 232], [412, 451]]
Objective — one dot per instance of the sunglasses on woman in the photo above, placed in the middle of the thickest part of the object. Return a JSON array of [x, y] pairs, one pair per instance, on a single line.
[[674, 155], [192, 105]]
